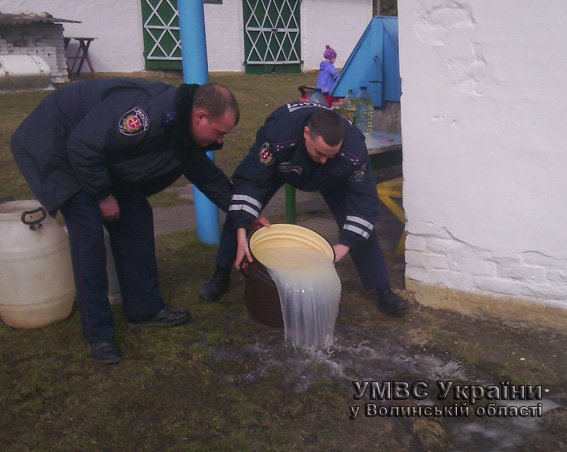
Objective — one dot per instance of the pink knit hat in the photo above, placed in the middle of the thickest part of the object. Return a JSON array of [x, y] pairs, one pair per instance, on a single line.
[[329, 53]]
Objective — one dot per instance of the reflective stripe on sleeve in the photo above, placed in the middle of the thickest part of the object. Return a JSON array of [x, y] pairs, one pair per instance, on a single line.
[[246, 208], [356, 230], [247, 199], [360, 221]]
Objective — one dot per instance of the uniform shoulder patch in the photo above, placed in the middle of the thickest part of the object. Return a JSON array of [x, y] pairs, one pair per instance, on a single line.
[[133, 122], [265, 155], [359, 174]]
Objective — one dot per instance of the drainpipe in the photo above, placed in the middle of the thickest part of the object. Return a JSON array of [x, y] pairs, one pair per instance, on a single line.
[[195, 70]]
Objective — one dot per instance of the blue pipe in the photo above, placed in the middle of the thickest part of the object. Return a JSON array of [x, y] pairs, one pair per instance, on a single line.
[[196, 70]]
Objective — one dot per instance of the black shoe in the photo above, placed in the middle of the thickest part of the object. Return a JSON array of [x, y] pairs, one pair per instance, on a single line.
[[390, 303], [216, 286], [105, 352], [165, 317]]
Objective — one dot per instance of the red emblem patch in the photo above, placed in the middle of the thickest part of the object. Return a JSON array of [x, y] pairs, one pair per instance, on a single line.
[[265, 156], [133, 122]]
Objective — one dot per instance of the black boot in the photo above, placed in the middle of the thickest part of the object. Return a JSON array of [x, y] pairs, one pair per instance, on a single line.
[[165, 317], [216, 286], [390, 303], [106, 352]]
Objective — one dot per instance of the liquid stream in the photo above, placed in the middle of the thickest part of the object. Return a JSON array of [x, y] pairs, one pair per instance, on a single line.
[[309, 290]]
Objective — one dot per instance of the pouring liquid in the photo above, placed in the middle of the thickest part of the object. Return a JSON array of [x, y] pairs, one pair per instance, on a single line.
[[309, 290]]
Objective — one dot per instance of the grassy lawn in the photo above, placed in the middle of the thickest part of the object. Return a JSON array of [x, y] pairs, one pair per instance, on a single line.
[[257, 96], [225, 382]]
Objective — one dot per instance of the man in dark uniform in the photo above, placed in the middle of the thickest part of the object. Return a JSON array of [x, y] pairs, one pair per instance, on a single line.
[[311, 148], [95, 150]]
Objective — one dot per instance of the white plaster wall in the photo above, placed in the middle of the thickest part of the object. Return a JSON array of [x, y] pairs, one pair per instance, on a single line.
[[483, 120], [225, 36], [119, 46], [117, 25], [339, 23]]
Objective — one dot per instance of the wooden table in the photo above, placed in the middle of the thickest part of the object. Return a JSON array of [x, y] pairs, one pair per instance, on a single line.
[[80, 56], [384, 150]]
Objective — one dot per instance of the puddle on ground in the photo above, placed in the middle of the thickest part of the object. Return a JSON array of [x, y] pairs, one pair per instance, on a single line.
[[363, 354]]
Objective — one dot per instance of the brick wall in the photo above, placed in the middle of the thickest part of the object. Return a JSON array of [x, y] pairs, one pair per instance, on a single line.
[[443, 260], [44, 40]]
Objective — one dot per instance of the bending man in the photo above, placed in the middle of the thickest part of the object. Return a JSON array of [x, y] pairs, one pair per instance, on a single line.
[[95, 150], [311, 148]]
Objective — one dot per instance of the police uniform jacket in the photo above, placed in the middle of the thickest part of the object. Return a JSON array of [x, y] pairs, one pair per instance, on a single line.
[[93, 134], [279, 155]]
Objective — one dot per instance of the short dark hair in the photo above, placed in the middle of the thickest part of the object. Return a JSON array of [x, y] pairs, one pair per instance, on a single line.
[[328, 125], [216, 99]]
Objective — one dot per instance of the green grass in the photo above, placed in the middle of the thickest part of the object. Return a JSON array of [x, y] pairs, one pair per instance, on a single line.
[[257, 96], [225, 382]]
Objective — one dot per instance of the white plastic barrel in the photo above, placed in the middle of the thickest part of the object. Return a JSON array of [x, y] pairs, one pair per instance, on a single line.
[[24, 72], [36, 276]]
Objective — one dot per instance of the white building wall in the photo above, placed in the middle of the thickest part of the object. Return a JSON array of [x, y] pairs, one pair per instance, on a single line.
[[483, 119], [117, 25], [338, 23], [119, 46], [225, 36]]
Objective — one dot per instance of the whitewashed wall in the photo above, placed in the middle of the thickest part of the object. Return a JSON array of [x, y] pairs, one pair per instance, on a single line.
[[225, 36], [118, 26], [483, 120], [339, 23]]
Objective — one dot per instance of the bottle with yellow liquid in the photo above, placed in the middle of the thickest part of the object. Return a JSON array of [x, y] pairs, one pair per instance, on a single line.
[[347, 106]]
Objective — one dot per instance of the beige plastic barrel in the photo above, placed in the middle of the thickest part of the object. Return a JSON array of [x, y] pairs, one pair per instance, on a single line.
[[36, 277]]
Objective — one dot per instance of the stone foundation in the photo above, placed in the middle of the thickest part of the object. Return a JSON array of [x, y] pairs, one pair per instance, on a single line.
[[519, 310]]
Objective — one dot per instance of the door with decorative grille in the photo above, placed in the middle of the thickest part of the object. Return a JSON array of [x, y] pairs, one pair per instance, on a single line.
[[161, 34], [271, 35]]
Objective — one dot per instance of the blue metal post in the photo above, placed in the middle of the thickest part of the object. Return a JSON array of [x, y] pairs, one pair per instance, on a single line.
[[196, 70]]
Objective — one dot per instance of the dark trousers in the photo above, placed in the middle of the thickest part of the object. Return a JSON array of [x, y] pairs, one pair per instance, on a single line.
[[368, 257], [133, 247]]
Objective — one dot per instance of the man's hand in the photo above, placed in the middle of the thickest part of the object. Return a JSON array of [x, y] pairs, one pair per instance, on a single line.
[[259, 222], [340, 251], [242, 251], [109, 208]]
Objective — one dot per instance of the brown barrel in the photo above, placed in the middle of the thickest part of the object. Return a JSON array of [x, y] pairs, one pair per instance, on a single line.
[[260, 291], [261, 296]]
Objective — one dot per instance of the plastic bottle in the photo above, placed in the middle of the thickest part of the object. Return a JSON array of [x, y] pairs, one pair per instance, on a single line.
[[350, 106], [364, 116], [346, 106], [318, 97]]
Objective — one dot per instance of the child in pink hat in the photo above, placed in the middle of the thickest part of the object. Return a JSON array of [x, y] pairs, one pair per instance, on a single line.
[[327, 73]]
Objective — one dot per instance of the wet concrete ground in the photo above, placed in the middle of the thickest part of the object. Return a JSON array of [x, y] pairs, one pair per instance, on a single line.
[[428, 351]]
